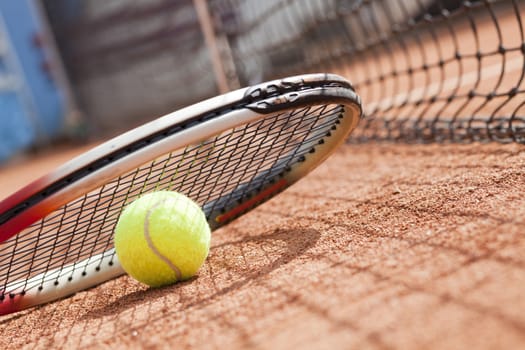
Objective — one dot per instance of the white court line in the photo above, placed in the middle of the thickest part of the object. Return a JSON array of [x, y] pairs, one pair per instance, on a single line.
[[449, 84]]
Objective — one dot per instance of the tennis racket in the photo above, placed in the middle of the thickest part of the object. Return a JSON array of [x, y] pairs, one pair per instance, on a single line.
[[229, 154]]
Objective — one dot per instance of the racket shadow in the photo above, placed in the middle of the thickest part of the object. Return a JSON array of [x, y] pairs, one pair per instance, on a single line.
[[230, 266]]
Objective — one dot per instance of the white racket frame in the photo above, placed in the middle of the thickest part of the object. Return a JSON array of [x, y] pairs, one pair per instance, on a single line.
[[67, 280]]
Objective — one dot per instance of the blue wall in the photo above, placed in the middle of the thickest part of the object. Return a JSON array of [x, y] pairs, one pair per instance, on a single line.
[[35, 111]]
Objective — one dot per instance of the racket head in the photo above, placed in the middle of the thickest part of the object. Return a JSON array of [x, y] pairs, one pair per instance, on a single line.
[[229, 153]]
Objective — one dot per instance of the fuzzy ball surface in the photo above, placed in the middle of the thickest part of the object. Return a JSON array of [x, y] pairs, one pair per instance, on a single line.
[[161, 238]]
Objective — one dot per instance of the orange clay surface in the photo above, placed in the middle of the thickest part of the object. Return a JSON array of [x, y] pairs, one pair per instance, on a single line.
[[383, 246]]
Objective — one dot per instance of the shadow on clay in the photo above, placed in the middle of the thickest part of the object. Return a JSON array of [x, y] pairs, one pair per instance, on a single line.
[[291, 244]]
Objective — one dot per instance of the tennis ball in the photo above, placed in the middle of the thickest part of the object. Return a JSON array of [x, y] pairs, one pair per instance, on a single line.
[[161, 238]]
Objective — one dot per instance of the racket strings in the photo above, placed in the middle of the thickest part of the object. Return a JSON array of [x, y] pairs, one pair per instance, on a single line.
[[228, 166]]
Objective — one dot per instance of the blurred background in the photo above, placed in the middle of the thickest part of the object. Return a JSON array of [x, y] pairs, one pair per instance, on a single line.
[[79, 70]]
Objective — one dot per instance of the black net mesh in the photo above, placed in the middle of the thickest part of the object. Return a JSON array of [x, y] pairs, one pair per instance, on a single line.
[[231, 166], [427, 70]]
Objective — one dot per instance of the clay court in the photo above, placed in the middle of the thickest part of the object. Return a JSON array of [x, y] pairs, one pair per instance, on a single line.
[[386, 245], [383, 246]]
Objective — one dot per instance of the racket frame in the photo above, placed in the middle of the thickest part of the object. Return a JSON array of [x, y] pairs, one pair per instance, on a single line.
[[192, 125]]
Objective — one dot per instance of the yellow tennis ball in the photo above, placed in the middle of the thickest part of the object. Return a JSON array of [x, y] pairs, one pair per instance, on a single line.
[[161, 238]]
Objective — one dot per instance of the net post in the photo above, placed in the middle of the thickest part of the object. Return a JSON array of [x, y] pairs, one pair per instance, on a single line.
[[210, 39]]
